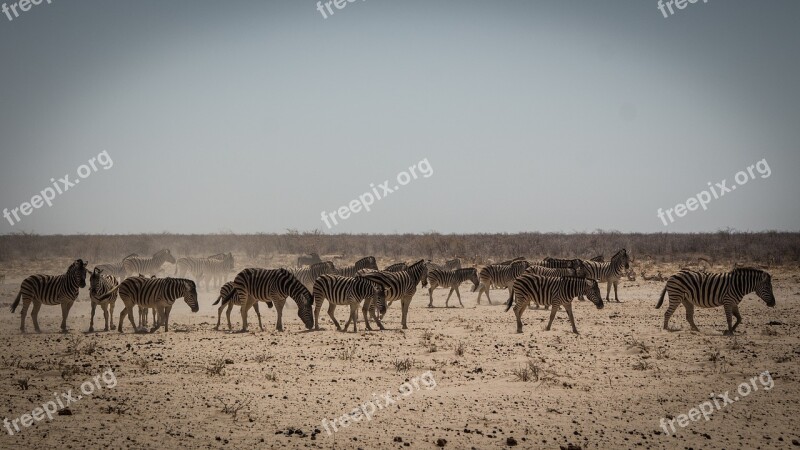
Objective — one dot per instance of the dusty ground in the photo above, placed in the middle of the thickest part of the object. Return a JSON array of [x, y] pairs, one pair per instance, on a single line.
[[594, 390]]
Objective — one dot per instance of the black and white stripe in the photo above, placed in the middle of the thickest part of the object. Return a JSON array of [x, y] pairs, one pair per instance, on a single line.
[[608, 272], [214, 269], [116, 270], [234, 300], [551, 291], [272, 286], [396, 267], [451, 279], [307, 275], [156, 293], [147, 266], [349, 291], [99, 285], [556, 272], [500, 275], [400, 285], [367, 262], [709, 290], [556, 263], [51, 290]]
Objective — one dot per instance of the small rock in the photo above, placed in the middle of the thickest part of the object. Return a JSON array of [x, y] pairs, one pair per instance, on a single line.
[[441, 442], [511, 442]]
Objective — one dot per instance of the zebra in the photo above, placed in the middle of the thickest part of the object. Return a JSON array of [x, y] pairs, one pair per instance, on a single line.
[[157, 293], [556, 272], [396, 267], [556, 263], [452, 264], [451, 279], [116, 270], [609, 272], [99, 284], [148, 266], [500, 275], [307, 260], [551, 291], [367, 262], [400, 285], [272, 286], [510, 261], [235, 300], [213, 269], [307, 275], [51, 290], [350, 291], [708, 290]]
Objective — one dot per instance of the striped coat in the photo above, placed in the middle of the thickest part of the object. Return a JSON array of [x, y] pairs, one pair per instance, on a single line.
[[100, 284], [348, 291], [51, 290], [551, 291], [234, 300], [156, 293], [308, 275], [709, 290], [214, 269], [499, 275], [147, 266], [609, 272], [400, 285], [451, 279], [367, 262]]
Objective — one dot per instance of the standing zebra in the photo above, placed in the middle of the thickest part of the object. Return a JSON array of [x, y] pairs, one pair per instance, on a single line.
[[116, 270], [213, 269], [556, 263], [556, 272], [500, 275], [609, 272], [367, 262], [708, 290], [350, 291], [272, 286], [236, 300], [157, 293], [307, 275], [396, 267], [451, 279], [400, 285], [51, 290], [148, 266], [551, 291], [99, 284]]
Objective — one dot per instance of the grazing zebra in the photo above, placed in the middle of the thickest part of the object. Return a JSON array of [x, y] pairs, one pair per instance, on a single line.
[[235, 300], [350, 291], [708, 290], [551, 291], [213, 269], [148, 266], [396, 267], [116, 270], [156, 293], [272, 286], [307, 275], [99, 284], [500, 275], [609, 272], [451, 279], [51, 290], [307, 260], [367, 262], [400, 285], [556, 272]]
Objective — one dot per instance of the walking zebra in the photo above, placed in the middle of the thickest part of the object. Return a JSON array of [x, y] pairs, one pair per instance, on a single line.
[[157, 293], [400, 285], [272, 286], [551, 291], [500, 275], [235, 300], [213, 269], [307, 275], [609, 272], [116, 270], [396, 267], [51, 290], [451, 279], [99, 284], [709, 290], [367, 262], [148, 266], [350, 291]]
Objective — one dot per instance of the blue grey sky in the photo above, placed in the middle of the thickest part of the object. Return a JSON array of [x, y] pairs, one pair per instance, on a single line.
[[255, 116]]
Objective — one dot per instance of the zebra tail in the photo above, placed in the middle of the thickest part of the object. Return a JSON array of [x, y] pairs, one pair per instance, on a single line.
[[227, 297], [661, 299], [108, 294], [16, 301], [218, 300]]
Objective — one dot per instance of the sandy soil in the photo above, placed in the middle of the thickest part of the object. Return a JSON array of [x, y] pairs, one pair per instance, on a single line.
[[594, 390]]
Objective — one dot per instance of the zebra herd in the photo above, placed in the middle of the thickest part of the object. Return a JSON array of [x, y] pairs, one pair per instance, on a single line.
[[550, 283]]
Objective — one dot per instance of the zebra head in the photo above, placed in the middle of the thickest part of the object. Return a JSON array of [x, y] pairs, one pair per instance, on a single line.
[[763, 288], [165, 255], [190, 295], [580, 270], [94, 281], [593, 292], [473, 276], [77, 271], [304, 308], [621, 258]]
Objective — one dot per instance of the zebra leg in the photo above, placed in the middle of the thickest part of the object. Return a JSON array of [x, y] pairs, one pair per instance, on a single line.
[[608, 289], [489, 299], [25, 304], [520, 308], [248, 302], [481, 287], [430, 294], [105, 316], [368, 302], [228, 314], [728, 314], [616, 282], [738, 317], [353, 316], [690, 314], [553, 312], [374, 317], [459, 297], [91, 321], [165, 317], [157, 323], [406, 302], [279, 309], [65, 307], [317, 309], [35, 315], [449, 294], [258, 314], [111, 313], [673, 305], [568, 307], [331, 309]]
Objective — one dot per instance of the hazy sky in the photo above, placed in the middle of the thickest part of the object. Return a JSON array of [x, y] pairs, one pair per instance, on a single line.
[[255, 116]]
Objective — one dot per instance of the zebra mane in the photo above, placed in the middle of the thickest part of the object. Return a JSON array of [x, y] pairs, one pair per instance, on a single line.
[[466, 269], [749, 271]]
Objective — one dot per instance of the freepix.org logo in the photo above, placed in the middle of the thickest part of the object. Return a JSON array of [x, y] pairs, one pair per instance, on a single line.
[[23, 5]]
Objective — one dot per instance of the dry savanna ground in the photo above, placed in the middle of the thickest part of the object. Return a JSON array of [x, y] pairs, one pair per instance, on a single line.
[[608, 387]]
